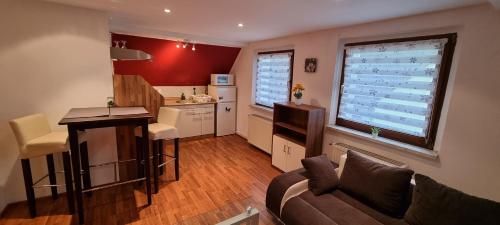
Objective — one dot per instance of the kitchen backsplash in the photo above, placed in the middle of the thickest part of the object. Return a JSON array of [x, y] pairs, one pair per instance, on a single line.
[[176, 91]]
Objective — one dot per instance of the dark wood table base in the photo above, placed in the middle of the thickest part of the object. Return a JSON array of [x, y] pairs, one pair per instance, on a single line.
[[81, 124]]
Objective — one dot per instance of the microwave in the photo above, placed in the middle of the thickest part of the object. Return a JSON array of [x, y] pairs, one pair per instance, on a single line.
[[222, 79]]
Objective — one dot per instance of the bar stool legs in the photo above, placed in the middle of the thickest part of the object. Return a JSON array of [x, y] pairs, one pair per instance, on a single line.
[[176, 155], [159, 162], [160, 156], [156, 145], [28, 184], [52, 175]]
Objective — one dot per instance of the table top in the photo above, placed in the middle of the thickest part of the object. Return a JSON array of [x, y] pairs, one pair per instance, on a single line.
[[104, 114]]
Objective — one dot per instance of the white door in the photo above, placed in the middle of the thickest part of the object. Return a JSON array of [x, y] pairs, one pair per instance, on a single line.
[[279, 154], [208, 119], [295, 154], [226, 118]]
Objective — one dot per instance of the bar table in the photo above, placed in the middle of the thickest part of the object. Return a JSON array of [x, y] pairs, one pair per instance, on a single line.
[[80, 119]]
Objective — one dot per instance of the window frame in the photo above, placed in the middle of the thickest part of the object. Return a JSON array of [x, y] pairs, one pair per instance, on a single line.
[[290, 80], [429, 140]]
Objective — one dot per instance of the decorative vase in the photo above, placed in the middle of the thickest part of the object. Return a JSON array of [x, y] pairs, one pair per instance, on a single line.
[[298, 101], [374, 135]]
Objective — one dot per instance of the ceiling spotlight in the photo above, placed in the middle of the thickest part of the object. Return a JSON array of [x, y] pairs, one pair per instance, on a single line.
[[240, 25], [184, 45], [193, 48], [178, 45], [167, 11]]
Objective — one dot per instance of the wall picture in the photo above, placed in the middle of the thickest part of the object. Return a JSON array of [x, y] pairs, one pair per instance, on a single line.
[[311, 64]]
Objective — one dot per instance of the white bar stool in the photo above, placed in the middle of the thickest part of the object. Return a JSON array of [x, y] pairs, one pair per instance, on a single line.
[[35, 138], [164, 129]]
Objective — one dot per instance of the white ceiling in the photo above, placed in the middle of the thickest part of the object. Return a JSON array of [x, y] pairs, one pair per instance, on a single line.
[[215, 21]]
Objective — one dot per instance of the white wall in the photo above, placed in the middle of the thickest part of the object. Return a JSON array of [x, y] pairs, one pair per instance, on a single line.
[[469, 145], [52, 58]]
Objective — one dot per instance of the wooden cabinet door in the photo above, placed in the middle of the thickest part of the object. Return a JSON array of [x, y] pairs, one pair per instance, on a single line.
[[279, 154], [295, 153]]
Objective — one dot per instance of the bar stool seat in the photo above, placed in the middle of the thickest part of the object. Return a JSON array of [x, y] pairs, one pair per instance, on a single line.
[[157, 131], [47, 144]]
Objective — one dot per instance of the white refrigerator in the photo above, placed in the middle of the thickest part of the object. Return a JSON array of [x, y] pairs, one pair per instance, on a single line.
[[225, 122]]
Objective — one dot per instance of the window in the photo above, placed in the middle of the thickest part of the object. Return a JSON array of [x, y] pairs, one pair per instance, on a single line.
[[397, 85], [274, 77]]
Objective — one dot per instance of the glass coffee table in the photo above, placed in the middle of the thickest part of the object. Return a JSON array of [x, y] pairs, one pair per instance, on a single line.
[[233, 213]]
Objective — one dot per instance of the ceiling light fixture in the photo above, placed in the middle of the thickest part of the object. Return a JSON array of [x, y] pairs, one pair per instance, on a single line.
[[167, 11], [185, 43], [240, 25]]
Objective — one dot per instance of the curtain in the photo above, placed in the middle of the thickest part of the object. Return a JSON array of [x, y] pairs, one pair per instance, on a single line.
[[391, 85], [273, 78]]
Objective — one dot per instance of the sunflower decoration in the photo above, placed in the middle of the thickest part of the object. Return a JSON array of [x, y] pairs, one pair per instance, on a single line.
[[297, 90]]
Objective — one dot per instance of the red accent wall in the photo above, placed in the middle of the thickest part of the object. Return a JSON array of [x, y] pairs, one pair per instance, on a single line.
[[174, 66]]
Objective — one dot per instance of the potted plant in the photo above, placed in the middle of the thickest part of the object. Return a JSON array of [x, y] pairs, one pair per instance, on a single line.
[[110, 102], [297, 93], [375, 131]]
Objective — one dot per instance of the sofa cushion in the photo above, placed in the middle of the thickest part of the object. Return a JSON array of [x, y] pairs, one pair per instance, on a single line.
[[384, 188], [434, 203], [375, 214], [322, 175], [321, 207]]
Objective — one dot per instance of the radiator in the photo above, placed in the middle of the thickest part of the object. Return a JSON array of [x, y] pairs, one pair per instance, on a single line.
[[260, 132], [339, 149]]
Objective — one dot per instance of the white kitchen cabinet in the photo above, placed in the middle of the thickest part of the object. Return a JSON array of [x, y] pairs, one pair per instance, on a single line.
[[195, 120], [208, 119], [286, 154]]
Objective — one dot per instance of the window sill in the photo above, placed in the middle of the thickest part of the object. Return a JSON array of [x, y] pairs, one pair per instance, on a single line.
[[386, 142], [262, 108]]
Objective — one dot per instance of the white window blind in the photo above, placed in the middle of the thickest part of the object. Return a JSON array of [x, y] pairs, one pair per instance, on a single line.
[[273, 78], [392, 85]]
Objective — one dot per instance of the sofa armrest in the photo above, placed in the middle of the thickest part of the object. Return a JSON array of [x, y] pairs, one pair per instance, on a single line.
[[284, 187]]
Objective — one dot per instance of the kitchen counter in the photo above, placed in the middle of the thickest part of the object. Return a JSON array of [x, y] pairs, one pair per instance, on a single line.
[[174, 102]]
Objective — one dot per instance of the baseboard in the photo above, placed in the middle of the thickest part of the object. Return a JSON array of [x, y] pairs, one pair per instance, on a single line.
[[241, 135]]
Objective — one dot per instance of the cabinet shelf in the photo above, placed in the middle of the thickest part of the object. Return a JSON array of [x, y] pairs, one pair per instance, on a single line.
[[292, 127], [301, 124]]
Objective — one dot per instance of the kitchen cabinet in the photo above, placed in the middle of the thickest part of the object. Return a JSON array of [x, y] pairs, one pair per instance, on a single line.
[[195, 120], [287, 155], [208, 120]]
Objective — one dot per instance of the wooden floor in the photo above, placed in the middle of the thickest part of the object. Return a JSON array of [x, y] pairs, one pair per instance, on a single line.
[[220, 177]]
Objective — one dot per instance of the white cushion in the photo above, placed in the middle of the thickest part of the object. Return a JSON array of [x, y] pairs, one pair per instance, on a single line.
[[157, 131], [47, 144]]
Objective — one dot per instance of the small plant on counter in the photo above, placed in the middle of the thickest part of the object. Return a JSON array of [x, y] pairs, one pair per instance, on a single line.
[[110, 102], [375, 131], [297, 93]]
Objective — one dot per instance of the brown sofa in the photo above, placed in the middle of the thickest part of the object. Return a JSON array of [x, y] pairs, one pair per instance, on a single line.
[[336, 207], [291, 201]]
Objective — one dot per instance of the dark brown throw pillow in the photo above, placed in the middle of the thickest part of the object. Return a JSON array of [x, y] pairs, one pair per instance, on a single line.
[[382, 187], [322, 175], [437, 204]]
